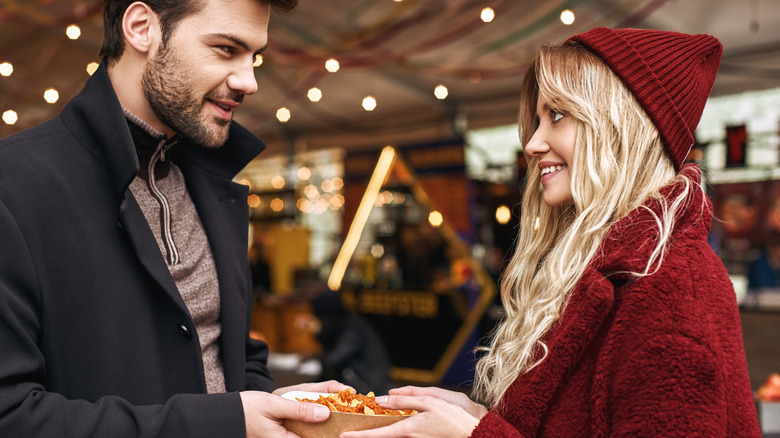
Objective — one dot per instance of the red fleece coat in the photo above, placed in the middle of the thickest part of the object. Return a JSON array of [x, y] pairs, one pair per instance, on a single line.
[[657, 356]]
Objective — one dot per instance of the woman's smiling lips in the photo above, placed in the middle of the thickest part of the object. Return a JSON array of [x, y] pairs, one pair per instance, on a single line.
[[550, 169]]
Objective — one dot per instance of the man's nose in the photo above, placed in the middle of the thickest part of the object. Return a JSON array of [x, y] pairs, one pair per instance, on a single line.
[[243, 80]]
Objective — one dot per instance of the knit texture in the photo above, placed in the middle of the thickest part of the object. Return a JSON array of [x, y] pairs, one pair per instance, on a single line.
[[671, 75]]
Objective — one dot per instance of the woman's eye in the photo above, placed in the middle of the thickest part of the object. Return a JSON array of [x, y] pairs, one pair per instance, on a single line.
[[555, 116]]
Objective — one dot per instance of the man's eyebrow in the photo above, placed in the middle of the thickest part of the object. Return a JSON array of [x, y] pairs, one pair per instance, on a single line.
[[238, 41]]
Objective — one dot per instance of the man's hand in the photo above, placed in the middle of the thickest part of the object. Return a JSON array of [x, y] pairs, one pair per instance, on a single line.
[[264, 412]]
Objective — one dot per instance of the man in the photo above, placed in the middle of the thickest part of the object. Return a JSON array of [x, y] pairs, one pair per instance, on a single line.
[[125, 294]]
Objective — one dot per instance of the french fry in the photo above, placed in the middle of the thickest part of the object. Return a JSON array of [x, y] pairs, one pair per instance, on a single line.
[[348, 402]]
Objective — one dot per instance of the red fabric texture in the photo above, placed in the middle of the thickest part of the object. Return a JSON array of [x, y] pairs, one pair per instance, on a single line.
[[657, 356], [670, 74]]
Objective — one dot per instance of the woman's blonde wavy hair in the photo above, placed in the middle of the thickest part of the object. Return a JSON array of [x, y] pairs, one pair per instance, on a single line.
[[619, 162]]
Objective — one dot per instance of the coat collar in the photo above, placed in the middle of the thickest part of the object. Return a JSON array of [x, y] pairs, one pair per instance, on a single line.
[[630, 241], [96, 119]]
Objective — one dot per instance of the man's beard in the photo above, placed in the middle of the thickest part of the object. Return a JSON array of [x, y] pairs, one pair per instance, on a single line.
[[177, 105]]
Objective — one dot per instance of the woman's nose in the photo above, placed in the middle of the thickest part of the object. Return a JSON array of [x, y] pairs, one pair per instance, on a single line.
[[536, 145]]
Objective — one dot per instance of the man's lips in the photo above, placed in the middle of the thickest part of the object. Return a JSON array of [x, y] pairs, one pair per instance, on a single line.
[[224, 108]]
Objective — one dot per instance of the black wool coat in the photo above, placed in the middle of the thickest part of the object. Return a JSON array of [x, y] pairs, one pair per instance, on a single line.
[[95, 339]]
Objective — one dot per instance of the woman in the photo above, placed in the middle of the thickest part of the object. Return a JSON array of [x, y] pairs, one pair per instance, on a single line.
[[620, 320]]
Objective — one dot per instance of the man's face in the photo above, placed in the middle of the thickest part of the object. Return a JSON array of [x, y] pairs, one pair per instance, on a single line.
[[197, 79]]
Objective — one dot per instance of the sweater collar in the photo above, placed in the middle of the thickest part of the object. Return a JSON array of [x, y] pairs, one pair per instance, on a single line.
[[147, 142]]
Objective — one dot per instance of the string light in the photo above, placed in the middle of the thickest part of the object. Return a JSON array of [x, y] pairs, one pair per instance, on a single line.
[[503, 214], [567, 17], [487, 15], [51, 95], [303, 205], [10, 117], [253, 200], [332, 65], [440, 92], [311, 192], [92, 68], [6, 69], [314, 94], [369, 103], [304, 173], [435, 219], [377, 250], [336, 202], [388, 196], [283, 114], [321, 206], [277, 204], [277, 182], [379, 200], [73, 32]]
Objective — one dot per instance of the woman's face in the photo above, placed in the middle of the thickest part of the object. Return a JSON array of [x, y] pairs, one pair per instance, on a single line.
[[553, 145]]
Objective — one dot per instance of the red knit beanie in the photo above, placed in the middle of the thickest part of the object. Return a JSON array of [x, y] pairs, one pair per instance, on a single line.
[[670, 74]]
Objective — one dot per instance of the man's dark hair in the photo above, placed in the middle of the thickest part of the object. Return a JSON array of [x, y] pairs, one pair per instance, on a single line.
[[170, 12]]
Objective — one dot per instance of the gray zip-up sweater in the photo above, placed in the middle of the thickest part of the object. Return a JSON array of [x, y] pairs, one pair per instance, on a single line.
[[161, 192]]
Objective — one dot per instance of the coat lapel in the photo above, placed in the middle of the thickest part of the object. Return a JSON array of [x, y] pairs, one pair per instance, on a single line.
[[146, 248], [221, 205], [106, 136]]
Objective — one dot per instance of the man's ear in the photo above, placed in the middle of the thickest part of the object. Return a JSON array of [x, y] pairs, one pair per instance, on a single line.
[[141, 27]]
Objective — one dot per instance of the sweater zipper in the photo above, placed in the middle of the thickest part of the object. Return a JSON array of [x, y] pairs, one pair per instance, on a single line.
[[167, 232]]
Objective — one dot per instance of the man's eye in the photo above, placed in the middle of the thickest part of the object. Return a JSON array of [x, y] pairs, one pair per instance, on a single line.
[[227, 49]]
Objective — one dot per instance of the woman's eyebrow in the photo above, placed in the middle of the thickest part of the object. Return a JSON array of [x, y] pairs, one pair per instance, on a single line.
[[545, 109]]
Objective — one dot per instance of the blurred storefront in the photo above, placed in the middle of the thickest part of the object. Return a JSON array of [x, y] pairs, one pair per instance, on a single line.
[[739, 151]]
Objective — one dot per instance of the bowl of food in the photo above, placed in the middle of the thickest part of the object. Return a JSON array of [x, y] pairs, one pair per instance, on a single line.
[[349, 412]]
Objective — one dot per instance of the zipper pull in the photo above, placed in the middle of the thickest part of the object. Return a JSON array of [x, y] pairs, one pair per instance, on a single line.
[[162, 151], [166, 144]]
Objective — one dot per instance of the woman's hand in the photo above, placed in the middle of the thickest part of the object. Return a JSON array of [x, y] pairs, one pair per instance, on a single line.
[[441, 413], [457, 398]]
